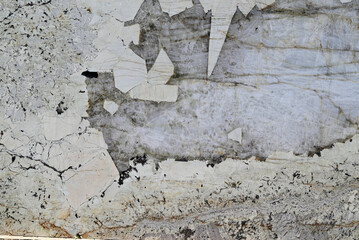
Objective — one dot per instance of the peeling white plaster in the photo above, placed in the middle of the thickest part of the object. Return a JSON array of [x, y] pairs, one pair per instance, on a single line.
[[113, 32], [56, 128], [161, 71], [261, 4], [112, 41], [124, 10], [110, 106], [58, 179], [130, 71], [156, 93], [131, 75], [178, 187], [222, 14], [236, 135], [96, 175], [173, 7]]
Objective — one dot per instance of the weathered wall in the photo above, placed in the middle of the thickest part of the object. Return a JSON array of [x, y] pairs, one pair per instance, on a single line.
[[183, 119]]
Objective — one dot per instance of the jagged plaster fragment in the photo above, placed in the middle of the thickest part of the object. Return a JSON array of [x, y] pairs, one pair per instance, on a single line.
[[219, 28], [112, 41], [222, 14], [264, 3], [245, 6], [110, 106], [156, 93], [113, 32], [100, 172], [106, 60], [124, 10], [131, 75], [130, 71], [161, 71], [173, 7], [78, 85], [236, 135], [70, 151], [56, 128]]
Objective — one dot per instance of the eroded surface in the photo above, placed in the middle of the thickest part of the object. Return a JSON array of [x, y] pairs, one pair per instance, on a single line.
[[285, 197], [293, 90], [63, 122]]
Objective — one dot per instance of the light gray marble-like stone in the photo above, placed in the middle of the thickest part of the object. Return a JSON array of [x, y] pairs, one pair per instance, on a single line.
[[111, 128], [280, 78]]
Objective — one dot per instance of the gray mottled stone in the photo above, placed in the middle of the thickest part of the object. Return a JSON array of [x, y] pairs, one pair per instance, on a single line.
[[289, 80], [286, 77]]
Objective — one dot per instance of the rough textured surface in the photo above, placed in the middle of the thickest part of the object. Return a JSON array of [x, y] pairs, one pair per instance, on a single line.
[[288, 90], [80, 158], [285, 197]]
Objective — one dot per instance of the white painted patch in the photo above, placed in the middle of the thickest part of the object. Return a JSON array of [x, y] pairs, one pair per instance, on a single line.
[[236, 135], [219, 28], [162, 70], [128, 68], [95, 175], [112, 42], [114, 32], [130, 71], [110, 106], [56, 128], [222, 14], [173, 7], [156, 93], [156, 89], [264, 3], [124, 10], [245, 6]]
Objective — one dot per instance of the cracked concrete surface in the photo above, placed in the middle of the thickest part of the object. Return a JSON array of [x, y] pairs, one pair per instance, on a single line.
[[79, 158]]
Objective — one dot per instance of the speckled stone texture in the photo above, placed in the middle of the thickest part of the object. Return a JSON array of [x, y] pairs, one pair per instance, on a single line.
[[266, 147]]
